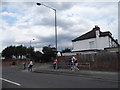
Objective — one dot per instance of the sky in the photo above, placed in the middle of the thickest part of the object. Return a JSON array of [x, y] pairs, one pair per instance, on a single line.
[[23, 21]]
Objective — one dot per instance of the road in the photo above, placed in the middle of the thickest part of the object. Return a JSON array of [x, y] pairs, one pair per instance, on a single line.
[[14, 77]]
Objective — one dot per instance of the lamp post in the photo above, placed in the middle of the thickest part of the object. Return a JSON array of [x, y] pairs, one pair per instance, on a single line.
[[55, 24], [30, 42]]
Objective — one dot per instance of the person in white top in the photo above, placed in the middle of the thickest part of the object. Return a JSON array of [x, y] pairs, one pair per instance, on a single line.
[[74, 64], [30, 65]]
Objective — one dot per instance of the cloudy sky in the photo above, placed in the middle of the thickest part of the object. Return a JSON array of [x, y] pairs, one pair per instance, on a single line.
[[23, 21]]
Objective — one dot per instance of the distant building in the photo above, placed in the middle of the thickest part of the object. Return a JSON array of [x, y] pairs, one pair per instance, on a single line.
[[93, 41]]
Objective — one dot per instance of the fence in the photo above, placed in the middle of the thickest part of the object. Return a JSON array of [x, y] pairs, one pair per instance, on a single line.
[[97, 61]]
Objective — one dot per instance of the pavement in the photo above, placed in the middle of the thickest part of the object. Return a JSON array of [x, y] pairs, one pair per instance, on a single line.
[[103, 75]]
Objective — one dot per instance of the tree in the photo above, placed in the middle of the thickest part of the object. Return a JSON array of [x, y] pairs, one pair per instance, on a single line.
[[38, 56], [30, 52], [48, 53], [20, 51], [8, 52], [16, 51], [66, 50]]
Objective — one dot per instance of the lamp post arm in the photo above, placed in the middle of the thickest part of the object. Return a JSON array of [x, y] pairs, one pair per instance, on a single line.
[[48, 7]]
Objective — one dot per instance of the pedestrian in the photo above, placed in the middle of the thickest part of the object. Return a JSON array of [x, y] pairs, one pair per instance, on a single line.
[[76, 64], [55, 64], [24, 65], [30, 65], [72, 63]]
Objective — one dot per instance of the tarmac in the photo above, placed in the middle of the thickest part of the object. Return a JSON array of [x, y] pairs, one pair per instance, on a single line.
[[101, 75]]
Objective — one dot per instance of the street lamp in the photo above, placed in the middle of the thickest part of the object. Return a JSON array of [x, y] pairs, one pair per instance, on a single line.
[[55, 23], [30, 42]]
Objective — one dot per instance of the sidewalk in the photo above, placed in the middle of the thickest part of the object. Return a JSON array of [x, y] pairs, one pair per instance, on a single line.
[[103, 75]]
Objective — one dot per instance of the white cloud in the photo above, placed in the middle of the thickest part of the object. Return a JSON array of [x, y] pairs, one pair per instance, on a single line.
[[38, 22], [8, 14]]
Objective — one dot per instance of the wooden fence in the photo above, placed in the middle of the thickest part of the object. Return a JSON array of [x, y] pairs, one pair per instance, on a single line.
[[109, 61]]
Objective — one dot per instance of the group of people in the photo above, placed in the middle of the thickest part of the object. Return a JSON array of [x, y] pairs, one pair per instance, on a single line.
[[74, 63], [30, 65]]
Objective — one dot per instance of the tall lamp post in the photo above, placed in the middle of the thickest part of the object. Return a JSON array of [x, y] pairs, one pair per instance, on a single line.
[[55, 24]]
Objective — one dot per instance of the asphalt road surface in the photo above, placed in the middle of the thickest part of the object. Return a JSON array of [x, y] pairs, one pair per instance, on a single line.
[[14, 77]]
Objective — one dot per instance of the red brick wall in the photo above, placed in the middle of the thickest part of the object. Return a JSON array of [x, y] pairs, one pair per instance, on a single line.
[[17, 62]]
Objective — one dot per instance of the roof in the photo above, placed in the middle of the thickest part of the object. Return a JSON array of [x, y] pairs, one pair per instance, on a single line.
[[91, 34]]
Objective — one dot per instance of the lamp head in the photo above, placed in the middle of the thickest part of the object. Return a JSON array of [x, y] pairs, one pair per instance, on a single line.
[[38, 4]]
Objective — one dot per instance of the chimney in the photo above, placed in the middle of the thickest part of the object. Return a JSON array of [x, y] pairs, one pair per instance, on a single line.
[[97, 31]]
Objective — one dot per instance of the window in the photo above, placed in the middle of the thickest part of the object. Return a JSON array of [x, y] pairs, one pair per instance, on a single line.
[[91, 44]]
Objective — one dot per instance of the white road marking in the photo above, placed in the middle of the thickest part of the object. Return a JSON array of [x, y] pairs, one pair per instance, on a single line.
[[10, 81]]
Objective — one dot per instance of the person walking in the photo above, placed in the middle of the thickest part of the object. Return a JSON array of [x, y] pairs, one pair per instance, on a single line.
[[24, 65], [76, 64], [55, 64], [30, 65], [72, 63]]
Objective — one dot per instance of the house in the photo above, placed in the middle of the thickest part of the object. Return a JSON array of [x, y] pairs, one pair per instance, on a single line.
[[93, 41]]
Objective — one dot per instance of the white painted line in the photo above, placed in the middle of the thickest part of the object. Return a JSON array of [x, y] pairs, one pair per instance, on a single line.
[[10, 81]]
